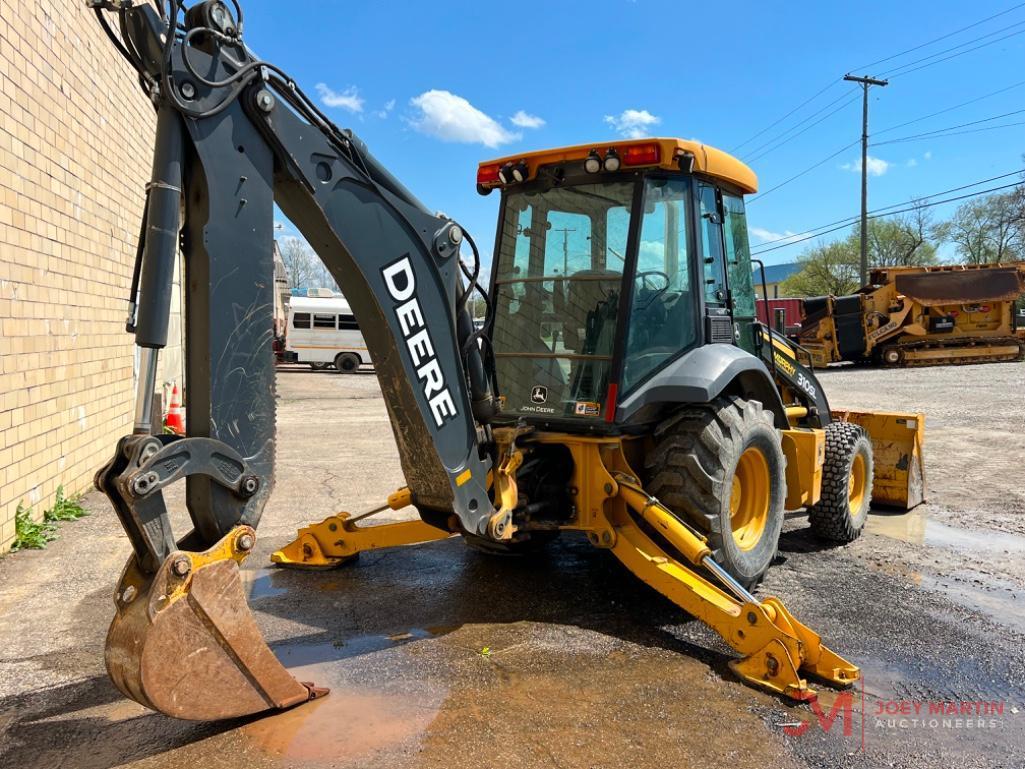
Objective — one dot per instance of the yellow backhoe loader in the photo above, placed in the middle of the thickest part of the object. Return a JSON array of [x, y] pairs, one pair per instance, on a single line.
[[620, 387], [920, 316]]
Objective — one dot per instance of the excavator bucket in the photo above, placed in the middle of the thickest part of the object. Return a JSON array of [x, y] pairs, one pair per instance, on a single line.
[[899, 477], [184, 643]]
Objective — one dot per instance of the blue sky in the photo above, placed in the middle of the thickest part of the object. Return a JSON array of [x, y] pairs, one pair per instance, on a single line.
[[435, 88]]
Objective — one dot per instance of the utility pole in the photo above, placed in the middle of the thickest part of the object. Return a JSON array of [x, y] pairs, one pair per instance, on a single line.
[[565, 246], [865, 83]]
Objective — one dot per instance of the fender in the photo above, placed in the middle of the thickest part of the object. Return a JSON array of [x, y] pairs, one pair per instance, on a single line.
[[699, 376]]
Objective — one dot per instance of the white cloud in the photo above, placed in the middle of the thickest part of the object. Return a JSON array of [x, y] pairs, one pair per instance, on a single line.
[[348, 99], [767, 235], [911, 163], [452, 118], [876, 166], [928, 155], [526, 120], [388, 107], [633, 123]]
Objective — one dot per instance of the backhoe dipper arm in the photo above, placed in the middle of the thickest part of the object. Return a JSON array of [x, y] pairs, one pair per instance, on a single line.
[[234, 136]]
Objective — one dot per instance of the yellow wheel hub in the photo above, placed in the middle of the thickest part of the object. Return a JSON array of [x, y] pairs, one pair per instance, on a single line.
[[749, 499], [856, 487]]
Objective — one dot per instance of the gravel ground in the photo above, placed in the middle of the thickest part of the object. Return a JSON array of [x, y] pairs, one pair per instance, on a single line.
[[587, 668]]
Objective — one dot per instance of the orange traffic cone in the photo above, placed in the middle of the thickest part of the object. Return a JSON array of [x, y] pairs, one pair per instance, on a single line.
[[175, 420]]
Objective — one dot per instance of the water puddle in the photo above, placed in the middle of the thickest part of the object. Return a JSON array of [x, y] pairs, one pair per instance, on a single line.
[[357, 719], [996, 598], [917, 528], [294, 655], [344, 727], [989, 595], [263, 583]]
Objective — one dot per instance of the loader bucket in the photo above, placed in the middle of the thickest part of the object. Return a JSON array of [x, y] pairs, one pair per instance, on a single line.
[[899, 477]]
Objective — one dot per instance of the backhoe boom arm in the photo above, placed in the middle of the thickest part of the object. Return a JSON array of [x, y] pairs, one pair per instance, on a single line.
[[235, 137]]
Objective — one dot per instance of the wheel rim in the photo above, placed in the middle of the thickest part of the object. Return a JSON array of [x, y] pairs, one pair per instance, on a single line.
[[856, 488], [749, 499]]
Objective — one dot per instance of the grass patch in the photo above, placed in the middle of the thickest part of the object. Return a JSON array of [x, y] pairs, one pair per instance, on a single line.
[[30, 534]]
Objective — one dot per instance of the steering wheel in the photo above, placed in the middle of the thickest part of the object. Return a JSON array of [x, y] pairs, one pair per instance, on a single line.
[[655, 291], [644, 277]]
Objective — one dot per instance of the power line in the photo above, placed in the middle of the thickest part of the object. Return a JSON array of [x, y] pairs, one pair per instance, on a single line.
[[950, 109], [796, 125], [853, 219], [941, 37], [960, 133], [802, 173], [929, 204], [752, 157], [928, 134], [804, 103], [906, 123], [894, 73], [938, 134], [863, 67], [779, 140]]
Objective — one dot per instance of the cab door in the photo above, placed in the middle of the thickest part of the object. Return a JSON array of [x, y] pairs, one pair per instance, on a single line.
[[738, 269], [718, 323], [726, 254]]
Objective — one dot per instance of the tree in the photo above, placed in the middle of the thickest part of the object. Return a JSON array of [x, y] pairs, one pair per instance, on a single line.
[[988, 229], [826, 269], [299, 262], [902, 241], [321, 277]]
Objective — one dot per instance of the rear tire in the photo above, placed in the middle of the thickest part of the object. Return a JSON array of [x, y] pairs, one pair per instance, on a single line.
[[842, 510], [320, 366], [721, 467], [347, 362]]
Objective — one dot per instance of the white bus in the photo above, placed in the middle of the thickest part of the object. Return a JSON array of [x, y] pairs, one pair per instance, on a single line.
[[323, 333]]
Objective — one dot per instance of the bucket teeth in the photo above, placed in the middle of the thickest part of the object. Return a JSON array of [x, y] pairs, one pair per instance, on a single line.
[[184, 643]]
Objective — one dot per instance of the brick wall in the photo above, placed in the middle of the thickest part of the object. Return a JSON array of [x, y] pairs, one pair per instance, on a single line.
[[75, 149]]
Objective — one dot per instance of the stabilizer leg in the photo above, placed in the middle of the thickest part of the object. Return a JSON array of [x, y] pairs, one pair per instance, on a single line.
[[337, 539], [777, 648]]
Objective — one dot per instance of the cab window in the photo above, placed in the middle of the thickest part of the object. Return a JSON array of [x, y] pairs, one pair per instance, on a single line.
[[712, 246], [738, 256], [557, 286], [662, 311]]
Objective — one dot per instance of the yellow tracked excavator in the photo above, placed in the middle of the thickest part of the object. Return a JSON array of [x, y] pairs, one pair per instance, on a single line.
[[920, 316], [620, 387]]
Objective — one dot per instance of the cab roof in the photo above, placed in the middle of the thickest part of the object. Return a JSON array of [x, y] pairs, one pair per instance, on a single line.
[[707, 160]]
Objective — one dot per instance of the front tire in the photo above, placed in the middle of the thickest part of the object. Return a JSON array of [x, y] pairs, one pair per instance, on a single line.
[[842, 510], [722, 468]]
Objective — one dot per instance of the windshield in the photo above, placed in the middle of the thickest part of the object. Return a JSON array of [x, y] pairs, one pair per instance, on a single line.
[[559, 272]]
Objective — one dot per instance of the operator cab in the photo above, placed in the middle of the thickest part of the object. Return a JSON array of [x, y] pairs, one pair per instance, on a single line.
[[611, 262]]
